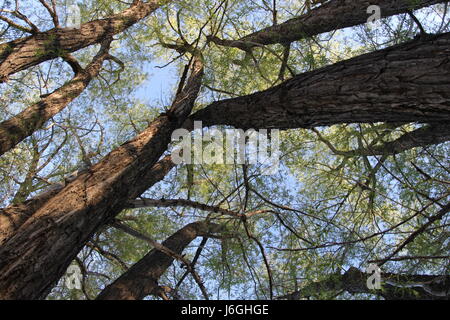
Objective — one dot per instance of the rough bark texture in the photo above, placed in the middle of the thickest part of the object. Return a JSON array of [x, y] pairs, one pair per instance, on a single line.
[[39, 253], [404, 83], [23, 125], [334, 15], [23, 53], [44, 246], [12, 217], [142, 278], [394, 286]]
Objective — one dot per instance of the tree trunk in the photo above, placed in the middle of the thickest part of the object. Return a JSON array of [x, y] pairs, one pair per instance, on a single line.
[[394, 286], [41, 250], [334, 15], [38, 254], [141, 279], [405, 83], [24, 53], [21, 126], [12, 217]]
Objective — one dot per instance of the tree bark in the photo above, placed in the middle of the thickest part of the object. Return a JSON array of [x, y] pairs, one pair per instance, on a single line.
[[405, 83], [44, 246], [73, 229], [21, 126], [394, 286], [12, 217], [141, 279], [23, 53], [334, 15]]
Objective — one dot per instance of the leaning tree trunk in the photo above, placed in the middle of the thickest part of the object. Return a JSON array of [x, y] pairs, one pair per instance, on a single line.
[[23, 53], [33, 260], [405, 83], [37, 254], [334, 15], [23, 125], [14, 216], [142, 278], [394, 286]]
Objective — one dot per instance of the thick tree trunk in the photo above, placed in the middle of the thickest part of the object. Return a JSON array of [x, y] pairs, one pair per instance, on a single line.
[[334, 15], [394, 286], [44, 246], [141, 279], [21, 126], [37, 254], [23, 53], [12, 217], [404, 83]]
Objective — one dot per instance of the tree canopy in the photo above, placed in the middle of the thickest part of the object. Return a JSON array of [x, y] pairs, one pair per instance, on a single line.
[[88, 178]]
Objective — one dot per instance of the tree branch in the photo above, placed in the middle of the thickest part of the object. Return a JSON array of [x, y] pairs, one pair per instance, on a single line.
[[142, 278]]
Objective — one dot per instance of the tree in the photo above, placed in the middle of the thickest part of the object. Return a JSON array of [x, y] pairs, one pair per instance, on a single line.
[[33, 118], [15, 55], [142, 278], [340, 94], [397, 287], [379, 165]]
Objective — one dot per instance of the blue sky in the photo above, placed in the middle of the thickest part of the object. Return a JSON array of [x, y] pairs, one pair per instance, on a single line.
[[159, 83]]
